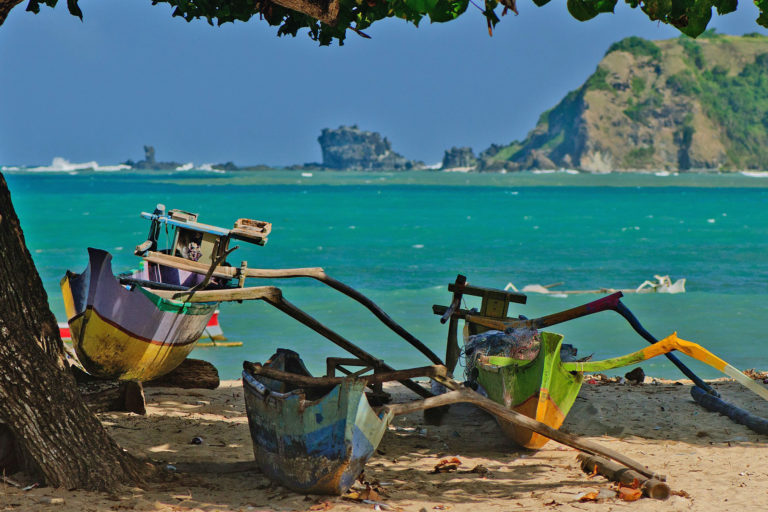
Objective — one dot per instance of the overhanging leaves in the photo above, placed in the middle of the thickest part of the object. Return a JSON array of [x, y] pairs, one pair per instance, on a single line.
[[763, 18], [690, 16], [584, 10]]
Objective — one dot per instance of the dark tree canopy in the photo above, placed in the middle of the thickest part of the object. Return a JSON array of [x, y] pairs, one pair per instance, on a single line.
[[327, 20]]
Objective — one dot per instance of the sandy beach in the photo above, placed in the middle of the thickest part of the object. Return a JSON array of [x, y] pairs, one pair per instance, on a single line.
[[711, 464]]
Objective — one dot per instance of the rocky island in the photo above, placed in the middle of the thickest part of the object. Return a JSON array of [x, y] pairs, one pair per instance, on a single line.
[[349, 148], [673, 105]]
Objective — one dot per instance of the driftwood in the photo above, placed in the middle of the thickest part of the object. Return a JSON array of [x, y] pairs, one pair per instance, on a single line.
[[376, 378], [738, 415], [462, 394], [650, 487], [191, 373]]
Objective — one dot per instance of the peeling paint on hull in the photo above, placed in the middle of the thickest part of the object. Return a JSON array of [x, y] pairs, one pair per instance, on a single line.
[[313, 447]]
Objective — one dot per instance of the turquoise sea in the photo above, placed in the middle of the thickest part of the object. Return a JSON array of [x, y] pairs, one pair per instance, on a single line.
[[401, 238]]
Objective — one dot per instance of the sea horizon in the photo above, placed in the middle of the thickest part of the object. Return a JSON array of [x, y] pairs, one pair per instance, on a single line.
[[400, 238]]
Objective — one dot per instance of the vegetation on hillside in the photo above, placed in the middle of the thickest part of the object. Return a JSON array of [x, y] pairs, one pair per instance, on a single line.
[[676, 104]]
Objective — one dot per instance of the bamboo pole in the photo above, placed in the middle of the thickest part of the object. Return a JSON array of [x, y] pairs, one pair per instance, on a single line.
[[232, 294], [650, 487], [461, 394], [376, 378]]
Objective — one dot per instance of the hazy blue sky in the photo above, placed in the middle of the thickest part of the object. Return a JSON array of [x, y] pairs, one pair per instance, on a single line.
[[130, 75]]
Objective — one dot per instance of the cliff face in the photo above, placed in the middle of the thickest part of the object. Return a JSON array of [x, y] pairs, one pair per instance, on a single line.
[[676, 104], [348, 147]]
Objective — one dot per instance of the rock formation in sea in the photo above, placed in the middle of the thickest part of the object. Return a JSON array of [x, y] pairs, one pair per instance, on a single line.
[[459, 158], [349, 148], [149, 162], [678, 104]]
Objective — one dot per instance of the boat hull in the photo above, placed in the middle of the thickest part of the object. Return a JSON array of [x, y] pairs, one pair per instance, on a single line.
[[312, 447], [125, 334], [540, 389]]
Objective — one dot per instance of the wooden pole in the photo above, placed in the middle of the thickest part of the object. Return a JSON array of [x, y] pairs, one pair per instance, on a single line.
[[462, 394], [313, 273], [650, 487], [297, 314], [376, 378]]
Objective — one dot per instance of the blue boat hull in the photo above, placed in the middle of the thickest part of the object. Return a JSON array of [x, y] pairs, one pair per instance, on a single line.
[[313, 447]]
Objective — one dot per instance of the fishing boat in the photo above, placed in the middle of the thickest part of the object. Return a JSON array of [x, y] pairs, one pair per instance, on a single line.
[[122, 327], [213, 335], [311, 439], [541, 388], [532, 372]]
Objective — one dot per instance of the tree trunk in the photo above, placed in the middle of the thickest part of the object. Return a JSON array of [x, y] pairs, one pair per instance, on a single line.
[[40, 403]]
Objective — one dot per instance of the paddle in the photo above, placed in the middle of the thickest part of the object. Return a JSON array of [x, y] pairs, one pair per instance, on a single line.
[[610, 302]]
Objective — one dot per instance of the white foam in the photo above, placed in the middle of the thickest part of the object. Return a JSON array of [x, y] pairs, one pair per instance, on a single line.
[[61, 164], [186, 167], [755, 174]]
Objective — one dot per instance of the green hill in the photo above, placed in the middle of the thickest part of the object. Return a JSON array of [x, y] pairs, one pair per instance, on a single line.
[[676, 104]]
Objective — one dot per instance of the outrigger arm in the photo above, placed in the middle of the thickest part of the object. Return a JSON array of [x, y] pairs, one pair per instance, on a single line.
[[316, 273], [610, 302], [274, 297]]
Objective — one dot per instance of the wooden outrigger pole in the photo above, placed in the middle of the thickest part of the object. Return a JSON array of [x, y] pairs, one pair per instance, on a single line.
[[274, 297], [609, 303], [316, 273]]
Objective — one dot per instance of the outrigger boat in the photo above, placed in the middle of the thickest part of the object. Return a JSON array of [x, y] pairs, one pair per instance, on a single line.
[[120, 327], [314, 435], [544, 386]]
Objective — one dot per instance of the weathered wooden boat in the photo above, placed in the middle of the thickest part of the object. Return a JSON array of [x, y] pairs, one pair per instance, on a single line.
[[122, 327], [543, 386], [311, 439], [127, 334]]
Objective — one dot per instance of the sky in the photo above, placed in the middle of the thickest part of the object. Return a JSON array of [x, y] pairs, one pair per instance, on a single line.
[[130, 75]]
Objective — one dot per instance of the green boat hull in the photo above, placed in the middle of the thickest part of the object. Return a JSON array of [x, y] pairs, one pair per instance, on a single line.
[[540, 389]]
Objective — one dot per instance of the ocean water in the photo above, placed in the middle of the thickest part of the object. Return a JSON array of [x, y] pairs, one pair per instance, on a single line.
[[401, 238]]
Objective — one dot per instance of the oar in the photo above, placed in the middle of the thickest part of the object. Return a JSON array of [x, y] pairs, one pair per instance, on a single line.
[[668, 344], [610, 302]]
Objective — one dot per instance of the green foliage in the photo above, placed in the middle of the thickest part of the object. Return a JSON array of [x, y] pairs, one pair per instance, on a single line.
[[739, 104], [684, 83], [637, 46], [639, 158], [640, 112], [689, 16], [638, 85], [763, 18], [598, 80], [584, 10], [693, 51]]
